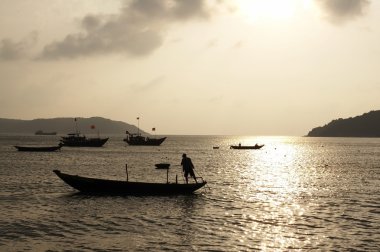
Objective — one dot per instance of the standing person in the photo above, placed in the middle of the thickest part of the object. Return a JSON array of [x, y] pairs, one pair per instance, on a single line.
[[188, 167]]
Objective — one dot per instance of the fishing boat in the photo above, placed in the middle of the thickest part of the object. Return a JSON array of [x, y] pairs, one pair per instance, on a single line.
[[118, 187], [138, 139], [38, 148], [40, 132], [246, 147], [78, 140]]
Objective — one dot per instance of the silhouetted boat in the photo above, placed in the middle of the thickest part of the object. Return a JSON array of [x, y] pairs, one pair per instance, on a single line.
[[138, 139], [38, 148], [78, 140], [40, 132], [246, 147], [162, 166], [118, 187]]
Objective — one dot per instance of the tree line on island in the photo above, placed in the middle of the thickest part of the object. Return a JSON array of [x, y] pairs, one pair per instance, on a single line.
[[366, 125]]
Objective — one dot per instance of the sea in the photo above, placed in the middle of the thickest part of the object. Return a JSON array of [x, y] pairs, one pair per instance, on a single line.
[[294, 194]]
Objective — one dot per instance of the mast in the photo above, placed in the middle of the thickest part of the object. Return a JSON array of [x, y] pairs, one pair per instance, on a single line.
[[76, 126], [138, 126]]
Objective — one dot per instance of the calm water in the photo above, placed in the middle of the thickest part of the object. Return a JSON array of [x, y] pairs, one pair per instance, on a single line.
[[293, 194]]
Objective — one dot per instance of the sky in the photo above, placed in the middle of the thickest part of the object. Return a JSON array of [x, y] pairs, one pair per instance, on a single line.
[[212, 67]]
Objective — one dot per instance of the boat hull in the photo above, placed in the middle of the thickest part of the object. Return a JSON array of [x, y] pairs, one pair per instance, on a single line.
[[41, 133], [117, 187], [38, 148], [241, 147], [145, 142], [88, 142]]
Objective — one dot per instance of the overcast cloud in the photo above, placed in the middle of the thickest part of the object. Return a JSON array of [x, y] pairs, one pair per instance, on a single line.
[[11, 50], [137, 31], [339, 11]]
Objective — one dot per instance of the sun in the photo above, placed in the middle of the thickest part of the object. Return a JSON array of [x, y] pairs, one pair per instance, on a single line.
[[267, 10]]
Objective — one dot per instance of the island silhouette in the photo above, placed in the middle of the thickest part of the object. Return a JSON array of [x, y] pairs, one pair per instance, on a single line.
[[366, 125], [66, 125]]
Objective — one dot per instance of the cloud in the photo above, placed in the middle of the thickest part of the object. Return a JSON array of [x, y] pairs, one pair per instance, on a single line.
[[138, 30], [10, 50], [156, 82], [339, 11]]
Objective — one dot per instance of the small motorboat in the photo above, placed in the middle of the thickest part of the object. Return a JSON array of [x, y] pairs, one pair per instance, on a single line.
[[38, 148]]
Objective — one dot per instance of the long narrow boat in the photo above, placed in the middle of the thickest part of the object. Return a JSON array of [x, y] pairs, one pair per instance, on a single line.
[[38, 148], [117, 187], [247, 147]]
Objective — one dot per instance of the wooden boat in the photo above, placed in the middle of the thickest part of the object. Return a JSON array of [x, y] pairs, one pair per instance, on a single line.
[[118, 187], [246, 147], [215, 147], [162, 166], [78, 140], [138, 139], [38, 148], [40, 132]]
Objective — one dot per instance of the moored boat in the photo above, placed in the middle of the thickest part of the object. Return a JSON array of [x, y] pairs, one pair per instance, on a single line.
[[40, 132], [118, 187], [78, 140], [138, 139], [246, 147], [38, 148]]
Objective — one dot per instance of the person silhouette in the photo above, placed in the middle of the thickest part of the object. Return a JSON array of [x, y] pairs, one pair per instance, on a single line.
[[188, 168]]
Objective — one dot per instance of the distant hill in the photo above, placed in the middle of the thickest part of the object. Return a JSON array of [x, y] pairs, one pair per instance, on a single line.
[[366, 125], [66, 125]]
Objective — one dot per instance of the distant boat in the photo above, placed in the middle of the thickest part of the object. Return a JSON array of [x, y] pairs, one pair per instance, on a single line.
[[246, 147], [119, 187], [40, 132], [138, 139], [162, 166], [38, 148], [78, 140], [215, 147]]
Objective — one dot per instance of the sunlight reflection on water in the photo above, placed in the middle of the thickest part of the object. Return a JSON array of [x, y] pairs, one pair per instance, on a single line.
[[294, 193]]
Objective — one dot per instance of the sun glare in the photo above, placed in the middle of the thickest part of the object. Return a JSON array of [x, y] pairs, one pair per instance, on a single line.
[[264, 10]]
